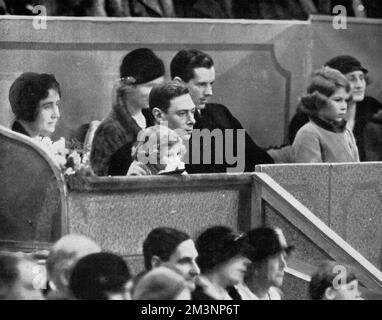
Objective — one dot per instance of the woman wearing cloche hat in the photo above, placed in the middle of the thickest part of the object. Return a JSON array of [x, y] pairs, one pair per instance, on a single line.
[[268, 256]]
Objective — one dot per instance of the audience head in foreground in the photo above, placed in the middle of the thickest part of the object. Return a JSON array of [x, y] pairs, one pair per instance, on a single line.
[[162, 283], [101, 276], [223, 260], [64, 255], [334, 281], [173, 249], [18, 275], [34, 100], [269, 255]]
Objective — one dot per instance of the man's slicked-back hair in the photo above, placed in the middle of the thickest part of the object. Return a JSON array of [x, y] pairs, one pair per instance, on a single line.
[[162, 242], [185, 61], [161, 94]]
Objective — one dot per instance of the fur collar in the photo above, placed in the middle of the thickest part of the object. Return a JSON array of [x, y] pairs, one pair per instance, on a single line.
[[333, 126]]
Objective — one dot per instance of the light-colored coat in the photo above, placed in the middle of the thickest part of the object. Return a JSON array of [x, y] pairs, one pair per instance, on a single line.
[[316, 144]]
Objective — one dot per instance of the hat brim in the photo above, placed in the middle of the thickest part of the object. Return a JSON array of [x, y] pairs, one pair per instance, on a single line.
[[288, 250], [357, 69]]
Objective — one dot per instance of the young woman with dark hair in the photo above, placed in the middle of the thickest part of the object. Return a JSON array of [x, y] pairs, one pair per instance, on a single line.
[[34, 100]]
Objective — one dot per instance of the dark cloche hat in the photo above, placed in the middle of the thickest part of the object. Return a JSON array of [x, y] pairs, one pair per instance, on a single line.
[[218, 244], [267, 242], [141, 65], [97, 273], [345, 64]]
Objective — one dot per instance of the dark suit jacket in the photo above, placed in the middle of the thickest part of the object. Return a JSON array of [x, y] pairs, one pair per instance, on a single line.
[[217, 116], [113, 142]]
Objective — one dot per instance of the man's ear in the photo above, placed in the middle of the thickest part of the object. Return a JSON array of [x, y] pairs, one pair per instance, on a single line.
[[158, 114], [155, 262], [179, 80], [329, 294]]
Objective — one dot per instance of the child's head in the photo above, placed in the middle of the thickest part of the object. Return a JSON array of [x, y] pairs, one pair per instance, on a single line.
[[327, 95], [334, 281], [161, 147]]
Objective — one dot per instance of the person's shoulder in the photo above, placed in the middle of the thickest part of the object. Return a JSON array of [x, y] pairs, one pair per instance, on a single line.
[[108, 126], [373, 101], [221, 116], [369, 106], [376, 119], [216, 108], [307, 132], [309, 127], [297, 121], [199, 294], [275, 293]]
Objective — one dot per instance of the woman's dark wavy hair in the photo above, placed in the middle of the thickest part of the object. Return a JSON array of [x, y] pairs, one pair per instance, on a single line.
[[218, 245], [27, 91], [324, 83]]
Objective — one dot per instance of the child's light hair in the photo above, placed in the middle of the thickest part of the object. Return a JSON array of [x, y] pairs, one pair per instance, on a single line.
[[152, 140]]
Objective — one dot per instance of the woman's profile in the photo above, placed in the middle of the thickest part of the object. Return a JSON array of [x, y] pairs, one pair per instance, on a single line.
[[34, 100]]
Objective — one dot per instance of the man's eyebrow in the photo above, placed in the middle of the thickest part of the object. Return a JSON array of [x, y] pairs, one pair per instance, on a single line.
[[185, 259], [204, 83], [46, 103]]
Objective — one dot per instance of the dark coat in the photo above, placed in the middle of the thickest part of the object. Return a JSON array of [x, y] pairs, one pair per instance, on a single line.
[[199, 294], [366, 110], [373, 138], [113, 141], [217, 116]]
